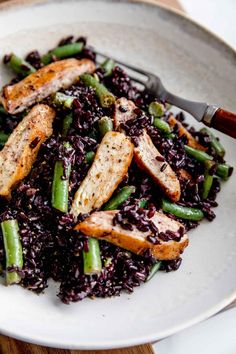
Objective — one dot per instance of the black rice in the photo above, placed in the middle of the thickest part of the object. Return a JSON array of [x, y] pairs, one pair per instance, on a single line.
[[51, 248]]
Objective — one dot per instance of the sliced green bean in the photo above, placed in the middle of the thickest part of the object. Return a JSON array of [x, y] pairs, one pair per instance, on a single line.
[[105, 125], [95, 75], [143, 203], [223, 170], [106, 98], [92, 258], [62, 100], [170, 136], [154, 270], [3, 138], [60, 185], [63, 51], [198, 155], [162, 126], [89, 157], [67, 121], [119, 198], [208, 178], [182, 212], [215, 143], [108, 65], [13, 250], [20, 66], [156, 109]]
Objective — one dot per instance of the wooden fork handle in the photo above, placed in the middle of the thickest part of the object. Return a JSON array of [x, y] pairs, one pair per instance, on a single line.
[[225, 122]]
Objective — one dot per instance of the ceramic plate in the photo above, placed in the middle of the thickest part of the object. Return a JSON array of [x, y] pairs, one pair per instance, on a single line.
[[192, 63]]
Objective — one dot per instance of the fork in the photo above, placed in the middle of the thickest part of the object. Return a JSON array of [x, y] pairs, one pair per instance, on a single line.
[[210, 115]]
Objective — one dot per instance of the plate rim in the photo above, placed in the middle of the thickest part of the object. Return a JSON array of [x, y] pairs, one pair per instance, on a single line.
[[118, 344], [10, 5]]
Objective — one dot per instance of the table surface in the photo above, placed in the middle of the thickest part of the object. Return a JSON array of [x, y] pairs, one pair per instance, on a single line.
[[12, 346], [217, 15]]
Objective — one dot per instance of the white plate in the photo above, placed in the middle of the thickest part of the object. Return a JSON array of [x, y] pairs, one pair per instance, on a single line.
[[193, 63]]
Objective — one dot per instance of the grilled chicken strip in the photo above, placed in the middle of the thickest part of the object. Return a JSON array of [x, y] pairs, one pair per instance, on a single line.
[[146, 154], [148, 158], [183, 131], [110, 165], [37, 86], [100, 225], [124, 110], [21, 149]]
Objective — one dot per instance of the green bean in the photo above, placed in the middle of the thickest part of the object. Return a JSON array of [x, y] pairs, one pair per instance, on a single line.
[[60, 99], [95, 75], [63, 51], [215, 143], [60, 186], [170, 136], [154, 270], [208, 178], [116, 201], [92, 258], [162, 126], [67, 121], [46, 58], [105, 125], [89, 157], [20, 66], [182, 212], [198, 155], [106, 97], [156, 109], [3, 138], [222, 170], [108, 65], [119, 198], [13, 249], [143, 203]]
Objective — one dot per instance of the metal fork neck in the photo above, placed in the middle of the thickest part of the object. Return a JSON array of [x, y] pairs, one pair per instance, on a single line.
[[209, 114]]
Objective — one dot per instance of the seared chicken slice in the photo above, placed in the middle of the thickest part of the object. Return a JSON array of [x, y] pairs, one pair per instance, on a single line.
[[110, 165], [21, 149], [185, 175], [183, 131], [124, 110], [37, 86], [149, 159], [146, 154], [100, 225]]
